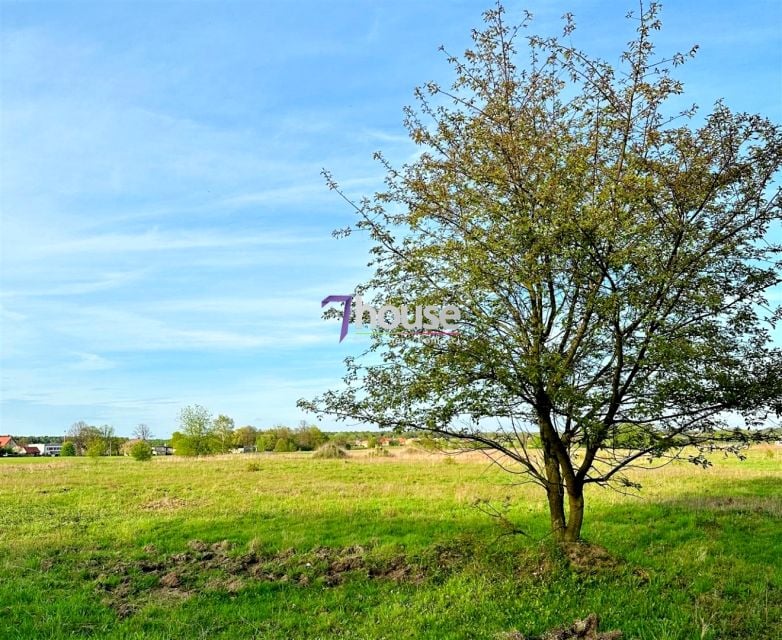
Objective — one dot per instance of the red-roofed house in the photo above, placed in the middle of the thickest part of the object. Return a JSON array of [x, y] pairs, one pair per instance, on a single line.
[[7, 442]]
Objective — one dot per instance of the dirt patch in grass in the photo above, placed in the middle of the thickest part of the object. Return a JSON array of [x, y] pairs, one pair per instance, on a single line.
[[166, 503], [586, 558], [586, 629], [220, 566], [200, 566]]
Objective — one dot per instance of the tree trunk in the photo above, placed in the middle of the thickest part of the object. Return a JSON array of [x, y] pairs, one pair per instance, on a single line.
[[556, 508], [575, 516], [566, 528], [560, 478]]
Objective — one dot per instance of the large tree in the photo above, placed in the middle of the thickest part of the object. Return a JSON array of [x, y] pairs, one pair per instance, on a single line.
[[84, 435], [245, 436], [142, 432], [610, 253], [223, 431], [196, 437], [107, 433]]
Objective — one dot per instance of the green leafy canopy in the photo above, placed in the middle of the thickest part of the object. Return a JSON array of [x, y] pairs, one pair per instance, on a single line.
[[610, 254]]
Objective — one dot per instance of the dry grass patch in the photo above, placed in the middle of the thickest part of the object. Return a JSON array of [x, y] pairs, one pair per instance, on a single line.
[[166, 503]]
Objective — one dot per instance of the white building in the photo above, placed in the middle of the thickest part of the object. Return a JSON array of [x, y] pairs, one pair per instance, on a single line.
[[49, 449]]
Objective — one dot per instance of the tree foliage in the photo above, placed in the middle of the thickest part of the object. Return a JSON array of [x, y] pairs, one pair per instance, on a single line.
[[245, 436], [280, 438], [308, 437], [610, 254], [141, 451], [83, 435], [110, 443], [96, 448], [284, 445], [223, 432], [68, 449], [142, 432], [195, 437]]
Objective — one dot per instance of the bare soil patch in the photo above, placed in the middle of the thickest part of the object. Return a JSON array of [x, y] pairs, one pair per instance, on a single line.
[[166, 503], [586, 629], [219, 566]]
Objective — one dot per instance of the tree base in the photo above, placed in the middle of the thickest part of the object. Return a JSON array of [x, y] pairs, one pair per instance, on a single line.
[[586, 629]]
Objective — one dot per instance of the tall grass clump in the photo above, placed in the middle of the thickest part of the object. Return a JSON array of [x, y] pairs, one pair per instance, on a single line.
[[330, 450]]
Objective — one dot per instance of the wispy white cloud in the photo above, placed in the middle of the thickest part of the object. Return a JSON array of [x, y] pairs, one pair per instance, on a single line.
[[154, 241], [77, 287], [91, 362]]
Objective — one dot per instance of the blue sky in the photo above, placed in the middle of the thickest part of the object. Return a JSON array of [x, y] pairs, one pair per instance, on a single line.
[[165, 232]]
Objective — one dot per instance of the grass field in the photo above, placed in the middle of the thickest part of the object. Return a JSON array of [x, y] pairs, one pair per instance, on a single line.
[[284, 546]]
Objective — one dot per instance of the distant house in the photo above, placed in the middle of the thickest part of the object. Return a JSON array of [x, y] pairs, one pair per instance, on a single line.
[[31, 451], [48, 449], [127, 446], [7, 442], [162, 450], [244, 450]]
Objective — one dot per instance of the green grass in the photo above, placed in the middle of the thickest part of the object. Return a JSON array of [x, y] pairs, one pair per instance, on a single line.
[[87, 546]]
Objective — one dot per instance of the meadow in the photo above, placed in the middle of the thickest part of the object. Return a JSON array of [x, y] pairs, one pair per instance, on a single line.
[[286, 546]]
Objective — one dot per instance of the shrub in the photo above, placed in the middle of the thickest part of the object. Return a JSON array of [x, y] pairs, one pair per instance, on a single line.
[[283, 445], [141, 451], [380, 452], [96, 448], [429, 444], [330, 450], [68, 449]]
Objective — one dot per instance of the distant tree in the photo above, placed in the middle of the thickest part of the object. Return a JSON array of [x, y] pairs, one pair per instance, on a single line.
[[223, 432], [284, 445], [309, 437], [613, 259], [141, 451], [107, 433], [68, 449], [267, 439], [629, 436], [182, 445], [372, 442], [142, 432], [245, 436], [96, 448], [196, 432], [82, 435], [342, 440]]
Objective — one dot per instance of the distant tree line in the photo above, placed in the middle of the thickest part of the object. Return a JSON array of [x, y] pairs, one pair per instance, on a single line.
[[201, 434]]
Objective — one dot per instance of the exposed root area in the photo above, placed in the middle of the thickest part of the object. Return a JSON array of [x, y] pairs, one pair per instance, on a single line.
[[586, 629]]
